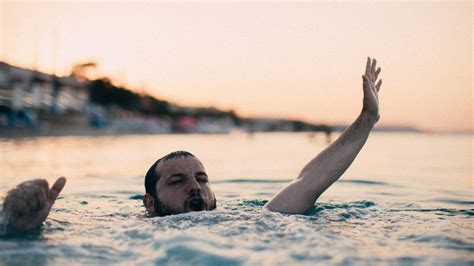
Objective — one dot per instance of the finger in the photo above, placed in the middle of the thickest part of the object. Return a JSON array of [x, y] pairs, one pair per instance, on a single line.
[[56, 189], [14, 204], [39, 185], [43, 184], [31, 196], [365, 79], [42, 199], [27, 194], [377, 73], [372, 70], [367, 67], [378, 85], [366, 84], [35, 182]]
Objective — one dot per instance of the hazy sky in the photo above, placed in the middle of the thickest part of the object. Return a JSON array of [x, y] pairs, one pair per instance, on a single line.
[[291, 60]]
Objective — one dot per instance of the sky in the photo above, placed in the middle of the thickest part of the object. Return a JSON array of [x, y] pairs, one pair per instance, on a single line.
[[299, 60]]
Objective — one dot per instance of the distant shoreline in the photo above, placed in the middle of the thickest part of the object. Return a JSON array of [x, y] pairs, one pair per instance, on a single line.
[[20, 133]]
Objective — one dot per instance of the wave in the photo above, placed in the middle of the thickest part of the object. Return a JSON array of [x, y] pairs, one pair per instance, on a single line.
[[365, 182], [251, 181], [344, 207], [440, 240], [454, 201], [439, 211], [136, 197], [353, 181]]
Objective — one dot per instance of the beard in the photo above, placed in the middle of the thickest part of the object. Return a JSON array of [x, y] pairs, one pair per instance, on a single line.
[[194, 202]]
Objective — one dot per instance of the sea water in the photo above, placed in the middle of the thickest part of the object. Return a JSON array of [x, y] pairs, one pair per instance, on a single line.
[[407, 199]]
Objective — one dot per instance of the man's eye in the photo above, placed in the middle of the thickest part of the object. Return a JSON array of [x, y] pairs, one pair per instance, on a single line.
[[202, 179], [175, 182]]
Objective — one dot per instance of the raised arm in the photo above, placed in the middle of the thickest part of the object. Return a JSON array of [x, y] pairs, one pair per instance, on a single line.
[[28, 204], [321, 172]]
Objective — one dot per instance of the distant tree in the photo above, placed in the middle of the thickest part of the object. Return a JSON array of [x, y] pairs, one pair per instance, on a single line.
[[151, 105], [82, 71], [102, 91]]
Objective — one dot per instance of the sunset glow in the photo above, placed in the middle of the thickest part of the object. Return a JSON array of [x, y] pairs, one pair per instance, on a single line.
[[287, 60]]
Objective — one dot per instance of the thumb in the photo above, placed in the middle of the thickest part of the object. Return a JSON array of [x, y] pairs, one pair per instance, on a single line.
[[56, 189], [365, 84]]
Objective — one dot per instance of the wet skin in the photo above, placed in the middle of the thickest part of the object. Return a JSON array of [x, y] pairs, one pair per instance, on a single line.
[[183, 187], [29, 203]]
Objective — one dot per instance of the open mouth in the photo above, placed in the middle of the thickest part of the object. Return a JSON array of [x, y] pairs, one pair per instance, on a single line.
[[196, 204]]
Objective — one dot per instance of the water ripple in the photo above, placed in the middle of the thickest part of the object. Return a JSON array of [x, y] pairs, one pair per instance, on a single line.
[[251, 181], [365, 182], [454, 201], [441, 241], [439, 211]]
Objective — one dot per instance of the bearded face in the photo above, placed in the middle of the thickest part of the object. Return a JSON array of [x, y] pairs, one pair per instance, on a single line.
[[183, 187]]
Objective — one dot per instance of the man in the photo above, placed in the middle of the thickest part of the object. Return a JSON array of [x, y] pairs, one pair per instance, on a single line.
[[178, 183]]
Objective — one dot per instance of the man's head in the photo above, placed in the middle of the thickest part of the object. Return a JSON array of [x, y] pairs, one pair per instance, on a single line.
[[177, 183]]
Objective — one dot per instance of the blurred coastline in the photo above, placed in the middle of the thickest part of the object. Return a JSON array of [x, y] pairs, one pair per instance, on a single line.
[[33, 103]]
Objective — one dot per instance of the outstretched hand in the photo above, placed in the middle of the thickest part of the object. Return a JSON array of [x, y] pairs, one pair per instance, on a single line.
[[28, 204], [371, 100]]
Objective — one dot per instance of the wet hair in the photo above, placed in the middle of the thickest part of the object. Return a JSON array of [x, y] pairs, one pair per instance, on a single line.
[[152, 176]]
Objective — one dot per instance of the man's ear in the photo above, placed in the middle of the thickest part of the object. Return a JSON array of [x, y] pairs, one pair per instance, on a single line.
[[214, 203], [149, 203]]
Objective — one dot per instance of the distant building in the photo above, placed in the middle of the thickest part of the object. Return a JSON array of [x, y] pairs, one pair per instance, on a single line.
[[39, 103], [23, 89], [268, 125]]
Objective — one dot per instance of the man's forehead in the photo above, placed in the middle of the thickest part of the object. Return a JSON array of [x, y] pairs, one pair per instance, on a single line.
[[179, 165]]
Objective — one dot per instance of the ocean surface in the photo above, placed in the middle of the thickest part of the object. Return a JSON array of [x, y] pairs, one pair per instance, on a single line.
[[407, 199]]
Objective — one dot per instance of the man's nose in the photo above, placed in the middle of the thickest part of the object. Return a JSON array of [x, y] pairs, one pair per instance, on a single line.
[[194, 185]]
